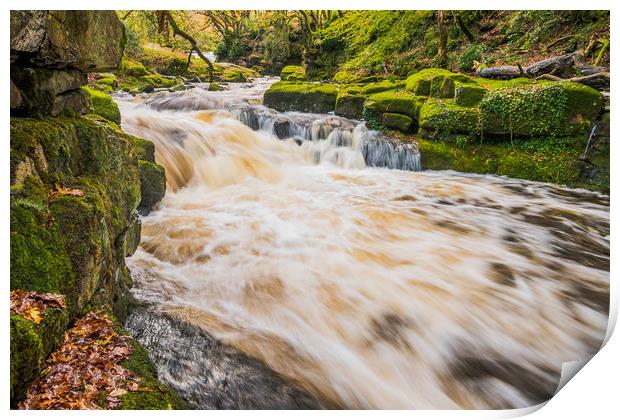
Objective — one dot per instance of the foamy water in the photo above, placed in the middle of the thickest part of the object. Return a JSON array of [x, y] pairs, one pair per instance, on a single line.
[[370, 287]]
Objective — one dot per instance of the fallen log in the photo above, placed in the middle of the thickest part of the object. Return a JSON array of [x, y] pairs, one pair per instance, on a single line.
[[597, 80], [562, 66], [500, 72]]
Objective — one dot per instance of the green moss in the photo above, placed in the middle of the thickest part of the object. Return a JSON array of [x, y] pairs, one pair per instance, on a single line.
[[39, 261], [155, 395], [110, 81], [444, 117], [400, 102], [543, 108], [214, 87], [554, 160], [145, 149], [468, 94], [30, 346], [382, 86], [233, 75], [302, 97], [350, 103], [132, 68], [162, 61], [102, 104], [103, 88], [68, 248], [293, 73], [397, 121], [152, 183], [438, 83]]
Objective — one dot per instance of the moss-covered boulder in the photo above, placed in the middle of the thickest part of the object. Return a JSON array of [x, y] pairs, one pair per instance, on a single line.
[[350, 102], [396, 121], [75, 188], [153, 185], [468, 94], [443, 117], [163, 61], [152, 176], [132, 68], [554, 160], [540, 108], [88, 40], [399, 102], [382, 86], [215, 87], [438, 83], [30, 345], [102, 104], [302, 97], [293, 74]]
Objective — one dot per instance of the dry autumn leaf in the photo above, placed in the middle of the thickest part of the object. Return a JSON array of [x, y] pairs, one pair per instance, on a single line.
[[60, 191], [32, 305]]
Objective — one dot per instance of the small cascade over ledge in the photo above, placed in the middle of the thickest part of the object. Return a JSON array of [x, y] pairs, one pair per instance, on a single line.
[[324, 132]]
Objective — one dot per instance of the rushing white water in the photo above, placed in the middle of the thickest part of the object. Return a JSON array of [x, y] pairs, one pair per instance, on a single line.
[[371, 287]]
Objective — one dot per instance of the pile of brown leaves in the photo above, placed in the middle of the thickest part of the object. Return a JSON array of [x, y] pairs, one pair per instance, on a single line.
[[32, 305], [84, 372]]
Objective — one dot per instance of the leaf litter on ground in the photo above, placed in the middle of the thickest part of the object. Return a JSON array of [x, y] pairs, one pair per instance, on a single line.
[[32, 305], [85, 371]]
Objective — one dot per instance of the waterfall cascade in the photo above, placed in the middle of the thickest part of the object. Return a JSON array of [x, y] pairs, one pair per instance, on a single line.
[[365, 286]]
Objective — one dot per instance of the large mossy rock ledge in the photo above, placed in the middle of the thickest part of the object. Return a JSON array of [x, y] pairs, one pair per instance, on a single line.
[[76, 183], [302, 97], [52, 50]]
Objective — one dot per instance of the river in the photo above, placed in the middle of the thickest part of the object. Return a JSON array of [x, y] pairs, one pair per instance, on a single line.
[[305, 259]]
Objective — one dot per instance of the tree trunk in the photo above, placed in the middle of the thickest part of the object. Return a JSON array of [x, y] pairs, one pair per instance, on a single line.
[[442, 58], [464, 28]]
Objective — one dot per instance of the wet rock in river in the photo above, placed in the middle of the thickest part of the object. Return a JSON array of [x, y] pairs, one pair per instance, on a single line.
[[209, 373]]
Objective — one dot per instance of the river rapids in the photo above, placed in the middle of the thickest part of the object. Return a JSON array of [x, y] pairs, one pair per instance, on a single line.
[[305, 261]]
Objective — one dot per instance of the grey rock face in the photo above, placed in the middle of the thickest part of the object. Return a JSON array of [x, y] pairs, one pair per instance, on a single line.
[[52, 50]]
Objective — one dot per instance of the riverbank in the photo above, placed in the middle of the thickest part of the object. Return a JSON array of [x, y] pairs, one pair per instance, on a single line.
[[538, 130]]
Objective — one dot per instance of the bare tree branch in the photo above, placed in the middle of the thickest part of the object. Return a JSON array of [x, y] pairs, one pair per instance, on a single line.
[[177, 31]]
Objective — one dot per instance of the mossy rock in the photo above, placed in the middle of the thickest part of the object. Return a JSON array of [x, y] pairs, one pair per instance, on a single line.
[[66, 244], [132, 68], [382, 86], [152, 395], [30, 345], [438, 83], [345, 76], [399, 102], [102, 104], [554, 160], [443, 117], [301, 97], [153, 185], [468, 94], [110, 81], [350, 103], [102, 88], [541, 108], [145, 149], [293, 74], [148, 83], [397, 121], [162, 61], [215, 87], [234, 76]]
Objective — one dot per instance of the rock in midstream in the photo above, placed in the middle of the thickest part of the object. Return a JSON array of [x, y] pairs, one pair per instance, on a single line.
[[208, 373]]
